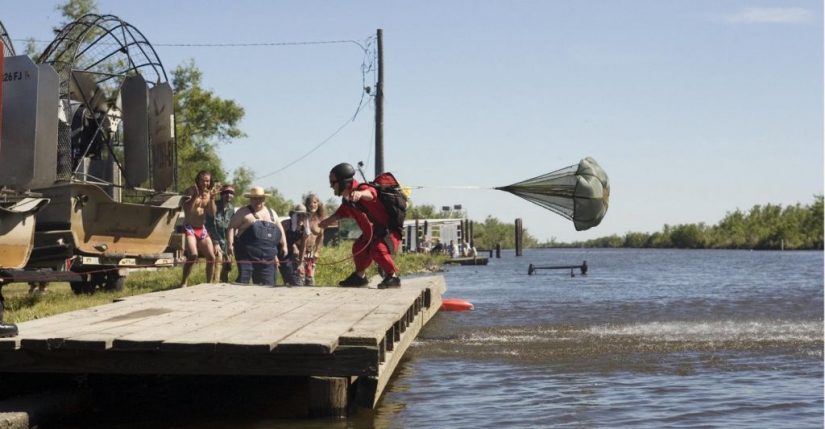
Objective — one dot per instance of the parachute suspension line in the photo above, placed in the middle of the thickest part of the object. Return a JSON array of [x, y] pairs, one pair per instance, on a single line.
[[450, 187]]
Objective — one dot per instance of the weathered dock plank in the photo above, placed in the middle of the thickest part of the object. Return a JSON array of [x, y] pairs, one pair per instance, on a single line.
[[322, 334], [206, 338], [204, 315], [103, 339], [65, 323], [265, 337]]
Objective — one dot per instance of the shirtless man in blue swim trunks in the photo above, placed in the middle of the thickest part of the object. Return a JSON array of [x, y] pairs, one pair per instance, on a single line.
[[201, 201]]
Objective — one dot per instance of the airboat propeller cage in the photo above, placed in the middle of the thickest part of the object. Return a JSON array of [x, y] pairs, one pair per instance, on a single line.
[[113, 92], [8, 47], [579, 192]]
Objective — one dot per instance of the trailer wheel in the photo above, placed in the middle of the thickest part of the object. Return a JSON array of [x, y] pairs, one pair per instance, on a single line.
[[82, 287], [115, 282]]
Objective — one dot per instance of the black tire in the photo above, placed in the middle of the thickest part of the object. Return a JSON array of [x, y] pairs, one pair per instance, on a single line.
[[115, 282], [82, 287]]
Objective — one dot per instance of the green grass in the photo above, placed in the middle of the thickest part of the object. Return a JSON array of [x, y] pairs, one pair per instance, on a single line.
[[334, 265]]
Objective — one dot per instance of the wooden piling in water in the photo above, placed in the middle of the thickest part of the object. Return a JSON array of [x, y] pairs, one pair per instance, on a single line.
[[328, 396], [472, 237]]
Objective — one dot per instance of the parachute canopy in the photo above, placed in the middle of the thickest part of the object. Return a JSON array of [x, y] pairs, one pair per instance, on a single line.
[[579, 192]]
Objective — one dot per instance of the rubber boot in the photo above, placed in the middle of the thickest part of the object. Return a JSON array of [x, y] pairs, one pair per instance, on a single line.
[[6, 329]]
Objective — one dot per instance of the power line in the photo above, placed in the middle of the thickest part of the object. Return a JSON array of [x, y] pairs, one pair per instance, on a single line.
[[367, 67], [318, 146], [255, 44], [232, 45]]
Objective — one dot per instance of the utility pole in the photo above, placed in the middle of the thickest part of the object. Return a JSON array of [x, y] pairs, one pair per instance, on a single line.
[[379, 107]]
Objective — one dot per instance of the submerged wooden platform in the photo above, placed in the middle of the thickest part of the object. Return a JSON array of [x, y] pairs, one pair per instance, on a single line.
[[478, 260], [358, 334]]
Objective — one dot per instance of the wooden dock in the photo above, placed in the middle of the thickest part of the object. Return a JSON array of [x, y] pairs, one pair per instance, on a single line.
[[353, 337], [478, 260]]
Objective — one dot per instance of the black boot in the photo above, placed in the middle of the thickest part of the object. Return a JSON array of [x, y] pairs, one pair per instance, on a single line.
[[6, 329], [354, 280], [392, 281]]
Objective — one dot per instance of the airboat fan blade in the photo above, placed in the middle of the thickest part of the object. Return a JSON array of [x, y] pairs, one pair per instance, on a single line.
[[162, 136], [134, 97], [84, 89], [580, 192]]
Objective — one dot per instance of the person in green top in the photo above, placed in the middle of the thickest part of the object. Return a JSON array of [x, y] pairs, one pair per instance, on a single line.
[[217, 229]]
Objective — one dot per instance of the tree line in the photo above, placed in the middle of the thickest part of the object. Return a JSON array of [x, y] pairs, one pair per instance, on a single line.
[[763, 227]]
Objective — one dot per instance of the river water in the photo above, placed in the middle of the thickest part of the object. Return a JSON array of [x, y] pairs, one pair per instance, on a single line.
[[648, 339]]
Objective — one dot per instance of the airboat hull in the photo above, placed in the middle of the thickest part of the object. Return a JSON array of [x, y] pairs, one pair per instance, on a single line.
[[100, 226], [17, 232]]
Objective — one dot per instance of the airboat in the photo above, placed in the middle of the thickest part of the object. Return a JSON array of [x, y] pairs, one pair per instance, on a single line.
[[94, 135]]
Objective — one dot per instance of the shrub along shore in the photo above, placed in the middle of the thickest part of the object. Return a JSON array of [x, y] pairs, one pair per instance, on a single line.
[[334, 265], [763, 227]]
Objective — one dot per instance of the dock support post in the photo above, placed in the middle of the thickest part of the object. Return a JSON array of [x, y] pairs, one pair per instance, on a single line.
[[328, 396], [498, 250], [472, 237], [418, 239], [519, 236]]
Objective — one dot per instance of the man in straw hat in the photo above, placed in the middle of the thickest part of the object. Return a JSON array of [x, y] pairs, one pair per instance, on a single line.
[[254, 237]]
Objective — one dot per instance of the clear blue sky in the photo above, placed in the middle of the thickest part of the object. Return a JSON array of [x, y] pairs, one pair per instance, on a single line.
[[694, 108]]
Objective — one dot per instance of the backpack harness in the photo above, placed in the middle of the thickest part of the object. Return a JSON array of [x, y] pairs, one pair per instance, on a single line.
[[394, 202]]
